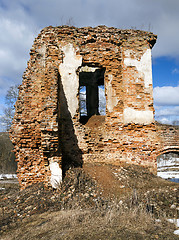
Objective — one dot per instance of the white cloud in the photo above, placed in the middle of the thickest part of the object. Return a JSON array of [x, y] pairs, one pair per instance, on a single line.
[[164, 120], [1, 108], [166, 106], [167, 111], [167, 115], [166, 95], [175, 71], [166, 100], [16, 39], [15, 42]]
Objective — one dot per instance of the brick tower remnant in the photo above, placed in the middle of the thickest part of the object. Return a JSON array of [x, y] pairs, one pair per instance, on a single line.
[[57, 122]]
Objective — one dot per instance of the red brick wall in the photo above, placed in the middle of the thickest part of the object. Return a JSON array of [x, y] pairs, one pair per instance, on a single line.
[[44, 129]]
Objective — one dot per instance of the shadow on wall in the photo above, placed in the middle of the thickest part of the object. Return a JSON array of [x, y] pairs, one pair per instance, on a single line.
[[68, 142], [7, 157]]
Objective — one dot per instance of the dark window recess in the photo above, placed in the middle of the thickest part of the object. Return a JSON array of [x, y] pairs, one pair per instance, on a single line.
[[92, 93]]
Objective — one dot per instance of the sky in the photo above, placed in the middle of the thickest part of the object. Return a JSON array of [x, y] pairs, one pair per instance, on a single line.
[[22, 20]]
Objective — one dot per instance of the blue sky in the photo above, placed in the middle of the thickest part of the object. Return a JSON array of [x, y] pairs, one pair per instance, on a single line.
[[166, 89], [22, 20], [165, 72]]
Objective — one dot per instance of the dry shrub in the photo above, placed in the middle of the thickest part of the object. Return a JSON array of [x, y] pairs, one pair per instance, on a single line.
[[109, 223]]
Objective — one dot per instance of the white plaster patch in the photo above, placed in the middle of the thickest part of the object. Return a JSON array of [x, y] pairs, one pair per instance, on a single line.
[[56, 174], [143, 66], [69, 78], [131, 115], [112, 99]]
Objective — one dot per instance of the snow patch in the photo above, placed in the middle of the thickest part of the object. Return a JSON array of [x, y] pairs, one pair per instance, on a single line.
[[176, 222], [176, 232], [7, 176], [168, 174]]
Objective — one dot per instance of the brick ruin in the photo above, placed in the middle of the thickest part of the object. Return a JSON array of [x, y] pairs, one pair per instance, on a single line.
[[51, 131]]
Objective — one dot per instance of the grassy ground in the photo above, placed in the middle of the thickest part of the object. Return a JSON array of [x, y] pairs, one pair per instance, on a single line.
[[97, 202]]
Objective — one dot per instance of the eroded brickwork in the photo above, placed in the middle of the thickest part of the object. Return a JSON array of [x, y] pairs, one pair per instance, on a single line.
[[168, 138], [47, 127]]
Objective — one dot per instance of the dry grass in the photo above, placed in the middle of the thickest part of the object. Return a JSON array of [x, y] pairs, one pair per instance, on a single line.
[[79, 210], [115, 222]]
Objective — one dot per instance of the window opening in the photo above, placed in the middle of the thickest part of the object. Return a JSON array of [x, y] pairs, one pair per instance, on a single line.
[[102, 100], [91, 93], [83, 111]]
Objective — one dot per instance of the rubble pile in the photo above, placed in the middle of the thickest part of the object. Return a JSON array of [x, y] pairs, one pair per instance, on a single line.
[[77, 191], [135, 187]]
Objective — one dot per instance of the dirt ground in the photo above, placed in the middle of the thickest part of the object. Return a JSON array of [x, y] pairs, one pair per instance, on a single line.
[[97, 202]]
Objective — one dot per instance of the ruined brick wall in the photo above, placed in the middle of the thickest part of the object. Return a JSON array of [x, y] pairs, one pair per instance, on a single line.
[[35, 128], [168, 137], [47, 132]]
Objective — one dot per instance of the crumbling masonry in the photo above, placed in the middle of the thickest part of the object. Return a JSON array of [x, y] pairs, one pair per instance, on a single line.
[[51, 131]]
